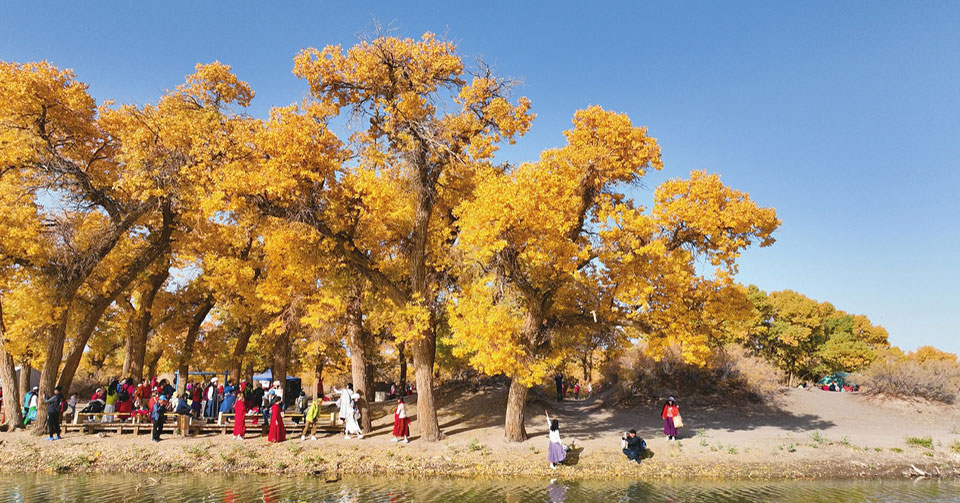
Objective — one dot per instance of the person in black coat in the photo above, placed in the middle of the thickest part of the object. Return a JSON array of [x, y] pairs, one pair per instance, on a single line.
[[633, 446], [55, 406]]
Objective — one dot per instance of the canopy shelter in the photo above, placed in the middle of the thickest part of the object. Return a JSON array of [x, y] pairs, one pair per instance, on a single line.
[[291, 388], [838, 378]]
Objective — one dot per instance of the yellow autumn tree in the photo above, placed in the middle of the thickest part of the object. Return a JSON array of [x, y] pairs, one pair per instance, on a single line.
[[554, 251], [384, 208]]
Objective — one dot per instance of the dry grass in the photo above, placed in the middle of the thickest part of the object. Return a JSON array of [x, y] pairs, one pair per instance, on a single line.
[[731, 370], [933, 380]]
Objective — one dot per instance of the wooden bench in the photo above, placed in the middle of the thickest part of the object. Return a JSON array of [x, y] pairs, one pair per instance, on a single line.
[[92, 422]]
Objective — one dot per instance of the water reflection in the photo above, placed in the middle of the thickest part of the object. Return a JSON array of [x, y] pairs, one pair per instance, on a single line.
[[279, 489]]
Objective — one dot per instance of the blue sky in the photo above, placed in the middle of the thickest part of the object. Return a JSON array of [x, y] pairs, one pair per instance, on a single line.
[[843, 116]]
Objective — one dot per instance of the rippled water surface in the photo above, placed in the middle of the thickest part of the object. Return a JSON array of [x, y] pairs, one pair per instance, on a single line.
[[213, 488]]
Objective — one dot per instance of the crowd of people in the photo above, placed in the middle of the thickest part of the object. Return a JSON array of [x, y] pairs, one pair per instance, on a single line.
[[122, 400]]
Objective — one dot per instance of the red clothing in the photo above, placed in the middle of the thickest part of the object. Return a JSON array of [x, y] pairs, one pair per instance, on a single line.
[[126, 407], [239, 419], [670, 411], [278, 433], [401, 426]]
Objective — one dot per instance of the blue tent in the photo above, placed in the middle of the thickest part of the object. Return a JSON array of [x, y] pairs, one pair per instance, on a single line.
[[291, 388], [267, 375]]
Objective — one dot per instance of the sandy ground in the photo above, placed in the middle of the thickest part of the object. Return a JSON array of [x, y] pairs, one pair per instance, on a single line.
[[804, 434]]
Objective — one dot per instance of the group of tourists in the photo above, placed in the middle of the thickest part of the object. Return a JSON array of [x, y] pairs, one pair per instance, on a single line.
[[205, 400], [633, 447], [567, 386]]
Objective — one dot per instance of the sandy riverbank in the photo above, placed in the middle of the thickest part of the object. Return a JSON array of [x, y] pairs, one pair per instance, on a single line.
[[806, 434]]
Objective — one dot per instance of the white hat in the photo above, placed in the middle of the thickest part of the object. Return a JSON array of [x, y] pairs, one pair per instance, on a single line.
[[213, 380], [276, 383], [355, 396]]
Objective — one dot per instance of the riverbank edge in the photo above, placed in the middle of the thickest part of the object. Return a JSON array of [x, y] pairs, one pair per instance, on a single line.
[[295, 458]]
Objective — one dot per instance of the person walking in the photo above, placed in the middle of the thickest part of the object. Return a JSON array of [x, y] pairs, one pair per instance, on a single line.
[[558, 379], [670, 412], [158, 415], [401, 423], [55, 406], [556, 453], [351, 425], [30, 406], [310, 420], [576, 391], [344, 404]]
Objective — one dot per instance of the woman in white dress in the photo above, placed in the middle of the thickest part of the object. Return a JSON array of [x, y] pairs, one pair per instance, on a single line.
[[352, 426]]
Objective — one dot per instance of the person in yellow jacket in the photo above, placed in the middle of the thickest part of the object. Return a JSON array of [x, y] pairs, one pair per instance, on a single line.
[[310, 423]]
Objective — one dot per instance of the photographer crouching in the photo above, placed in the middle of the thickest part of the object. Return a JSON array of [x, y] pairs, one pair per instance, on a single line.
[[633, 446]]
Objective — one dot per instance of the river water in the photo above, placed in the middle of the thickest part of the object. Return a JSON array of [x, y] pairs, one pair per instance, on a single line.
[[277, 489]]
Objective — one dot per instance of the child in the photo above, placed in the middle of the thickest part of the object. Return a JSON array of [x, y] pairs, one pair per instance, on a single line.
[[556, 453], [310, 420], [401, 423], [158, 414]]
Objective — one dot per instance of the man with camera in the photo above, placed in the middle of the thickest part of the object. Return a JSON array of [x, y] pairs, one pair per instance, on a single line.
[[633, 446]]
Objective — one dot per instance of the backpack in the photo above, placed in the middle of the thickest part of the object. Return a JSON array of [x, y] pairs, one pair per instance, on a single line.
[[122, 394], [155, 415], [63, 405]]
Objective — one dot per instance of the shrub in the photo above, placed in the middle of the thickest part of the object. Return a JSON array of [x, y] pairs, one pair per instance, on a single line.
[[920, 442], [730, 369], [937, 380]]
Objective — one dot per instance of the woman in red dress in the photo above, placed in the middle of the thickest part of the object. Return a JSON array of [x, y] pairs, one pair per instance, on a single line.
[[401, 423], [277, 432], [239, 418]]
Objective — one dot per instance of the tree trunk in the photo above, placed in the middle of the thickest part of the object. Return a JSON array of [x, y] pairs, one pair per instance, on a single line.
[[356, 341], [281, 362], [240, 349], [318, 376], [151, 365], [425, 344], [23, 379], [11, 392], [401, 355], [51, 365], [8, 377], [72, 362], [183, 366], [424, 354], [136, 347], [514, 429]]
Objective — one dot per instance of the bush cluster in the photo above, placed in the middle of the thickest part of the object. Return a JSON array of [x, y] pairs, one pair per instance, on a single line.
[[937, 380], [730, 369]]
